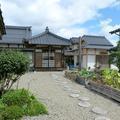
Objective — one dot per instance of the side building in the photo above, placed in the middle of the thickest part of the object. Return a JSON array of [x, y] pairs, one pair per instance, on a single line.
[[45, 50], [94, 52]]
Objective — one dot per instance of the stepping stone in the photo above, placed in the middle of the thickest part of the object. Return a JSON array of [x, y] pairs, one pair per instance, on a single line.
[[84, 104], [57, 82], [74, 95], [67, 89], [98, 110], [84, 98], [101, 118], [64, 82], [75, 91], [66, 86], [55, 78]]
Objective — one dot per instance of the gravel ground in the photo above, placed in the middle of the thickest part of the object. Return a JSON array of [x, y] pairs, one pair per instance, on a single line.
[[52, 89]]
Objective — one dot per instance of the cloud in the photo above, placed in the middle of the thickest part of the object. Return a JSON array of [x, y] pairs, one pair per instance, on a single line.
[[60, 15], [106, 27], [72, 32]]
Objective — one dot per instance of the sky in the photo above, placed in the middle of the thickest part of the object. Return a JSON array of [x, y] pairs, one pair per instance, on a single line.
[[67, 18]]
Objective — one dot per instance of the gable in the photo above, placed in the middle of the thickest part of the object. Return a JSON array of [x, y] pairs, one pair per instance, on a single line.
[[48, 38]]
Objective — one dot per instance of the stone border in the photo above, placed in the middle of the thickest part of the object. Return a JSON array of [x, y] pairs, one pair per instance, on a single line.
[[70, 75], [80, 80], [105, 90]]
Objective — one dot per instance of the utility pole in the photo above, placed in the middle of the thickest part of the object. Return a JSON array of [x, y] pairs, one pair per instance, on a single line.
[[117, 32], [80, 53]]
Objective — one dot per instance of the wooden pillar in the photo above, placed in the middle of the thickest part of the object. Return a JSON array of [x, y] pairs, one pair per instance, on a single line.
[[48, 56], [86, 57]]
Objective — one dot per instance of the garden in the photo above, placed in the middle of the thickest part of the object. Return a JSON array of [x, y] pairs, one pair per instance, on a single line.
[[16, 103], [105, 81]]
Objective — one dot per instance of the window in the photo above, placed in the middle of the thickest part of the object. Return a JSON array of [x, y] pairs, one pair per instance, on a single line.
[[48, 59]]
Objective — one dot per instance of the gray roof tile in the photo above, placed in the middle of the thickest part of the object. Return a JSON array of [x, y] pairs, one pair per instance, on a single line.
[[75, 40], [16, 34], [91, 41], [48, 38], [96, 40]]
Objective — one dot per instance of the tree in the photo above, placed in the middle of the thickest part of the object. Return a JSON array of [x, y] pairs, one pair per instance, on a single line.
[[13, 64], [115, 55]]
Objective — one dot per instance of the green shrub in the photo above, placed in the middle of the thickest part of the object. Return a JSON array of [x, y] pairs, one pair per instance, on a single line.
[[86, 74], [12, 65], [111, 77], [2, 106], [36, 108], [115, 55], [12, 113], [12, 61], [15, 101], [16, 97]]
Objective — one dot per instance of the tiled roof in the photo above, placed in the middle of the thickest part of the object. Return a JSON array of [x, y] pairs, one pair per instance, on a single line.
[[96, 40], [91, 41], [49, 38], [75, 40], [14, 35]]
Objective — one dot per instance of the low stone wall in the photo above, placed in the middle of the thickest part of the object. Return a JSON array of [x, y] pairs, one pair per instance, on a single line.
[[71, 75], [74, 76], [80, 80], [105, 90], [100, 88]]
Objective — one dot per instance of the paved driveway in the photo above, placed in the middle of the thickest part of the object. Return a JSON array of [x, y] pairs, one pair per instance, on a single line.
[[61, 96]]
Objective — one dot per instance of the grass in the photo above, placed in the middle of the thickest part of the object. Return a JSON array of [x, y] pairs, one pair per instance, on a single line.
[[15, 104]]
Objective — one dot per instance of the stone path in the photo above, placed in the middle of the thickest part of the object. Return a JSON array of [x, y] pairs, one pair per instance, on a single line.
[[67, 100]]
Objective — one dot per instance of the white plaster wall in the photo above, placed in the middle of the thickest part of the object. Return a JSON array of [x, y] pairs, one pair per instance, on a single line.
[[91, 51], [84, 61], [75, 60], [76, 46], [97, 51], [91, 61]]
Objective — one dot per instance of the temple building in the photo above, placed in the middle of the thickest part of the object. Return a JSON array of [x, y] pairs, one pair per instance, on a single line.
[[48, 51], [45, 50]]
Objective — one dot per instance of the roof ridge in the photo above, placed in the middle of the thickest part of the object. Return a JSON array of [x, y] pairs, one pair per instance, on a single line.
[[93, 36], [48, 32], [58, 36], [37, 35], [17, 26]]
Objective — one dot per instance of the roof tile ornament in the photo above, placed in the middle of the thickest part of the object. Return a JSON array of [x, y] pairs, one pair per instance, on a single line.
[[47, 29]]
